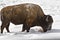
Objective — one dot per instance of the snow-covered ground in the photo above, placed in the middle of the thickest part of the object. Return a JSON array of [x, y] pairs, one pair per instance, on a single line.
[[51, 7]]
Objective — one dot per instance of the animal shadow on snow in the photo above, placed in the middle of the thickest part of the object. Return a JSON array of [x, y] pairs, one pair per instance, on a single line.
[[32, 31], [53, 31], [49, 31]]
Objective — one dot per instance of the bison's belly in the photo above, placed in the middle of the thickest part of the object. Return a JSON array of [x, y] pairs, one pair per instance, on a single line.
[[18, 20]]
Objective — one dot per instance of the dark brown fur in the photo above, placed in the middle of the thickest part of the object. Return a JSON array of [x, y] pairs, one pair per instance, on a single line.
[[27, 14]]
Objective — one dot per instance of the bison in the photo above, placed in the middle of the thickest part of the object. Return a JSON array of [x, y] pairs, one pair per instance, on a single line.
[[27, 14]]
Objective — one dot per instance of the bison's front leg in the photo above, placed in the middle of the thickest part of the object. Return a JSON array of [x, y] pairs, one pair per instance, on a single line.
[[28, 28], [24, 27], [28, 24], [5, 24]]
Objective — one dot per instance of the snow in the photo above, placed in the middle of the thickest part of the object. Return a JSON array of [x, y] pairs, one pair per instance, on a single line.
[[51, 7]]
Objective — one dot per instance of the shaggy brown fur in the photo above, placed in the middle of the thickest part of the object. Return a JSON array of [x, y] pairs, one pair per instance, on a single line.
[[27, 14]]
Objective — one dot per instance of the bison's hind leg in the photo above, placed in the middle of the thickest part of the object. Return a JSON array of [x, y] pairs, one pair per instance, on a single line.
[[5, 24], [7, 27], [2, 27]]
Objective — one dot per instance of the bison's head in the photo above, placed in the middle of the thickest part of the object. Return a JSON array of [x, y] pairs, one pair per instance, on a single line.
[[47, 22]]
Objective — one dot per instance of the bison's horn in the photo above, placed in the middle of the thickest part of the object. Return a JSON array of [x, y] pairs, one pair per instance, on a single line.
[[47, 19]]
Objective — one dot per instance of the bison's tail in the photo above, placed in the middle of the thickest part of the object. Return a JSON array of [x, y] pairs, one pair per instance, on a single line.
[[1, 18], [1, 15]]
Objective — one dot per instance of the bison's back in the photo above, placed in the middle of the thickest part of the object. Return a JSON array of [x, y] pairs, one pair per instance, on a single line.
[[25, 13]]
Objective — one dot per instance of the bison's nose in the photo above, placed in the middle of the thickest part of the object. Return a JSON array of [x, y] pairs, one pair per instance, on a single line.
[[44, 29]]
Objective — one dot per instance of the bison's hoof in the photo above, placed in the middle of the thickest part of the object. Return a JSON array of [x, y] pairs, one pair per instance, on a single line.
[[9, 32], [1, 32], [27, 31]]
